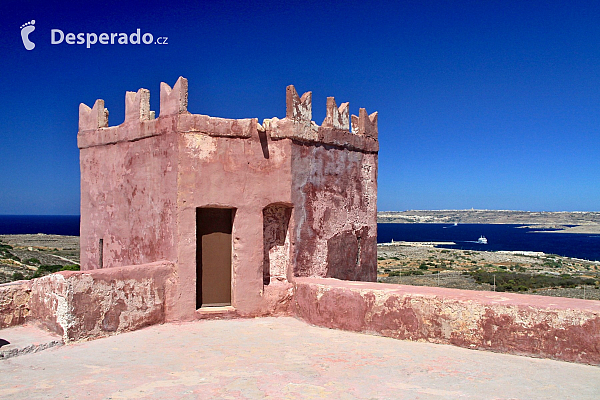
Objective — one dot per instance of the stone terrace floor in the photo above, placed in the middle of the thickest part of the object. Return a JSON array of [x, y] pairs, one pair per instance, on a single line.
[[282, 358]]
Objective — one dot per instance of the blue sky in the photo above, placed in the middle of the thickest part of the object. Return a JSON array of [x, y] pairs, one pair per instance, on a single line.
[[482, 104]]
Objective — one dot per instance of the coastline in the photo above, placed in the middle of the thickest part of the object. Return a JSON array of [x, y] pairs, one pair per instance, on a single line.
[[404, 264], [473, 216], [579, 229]]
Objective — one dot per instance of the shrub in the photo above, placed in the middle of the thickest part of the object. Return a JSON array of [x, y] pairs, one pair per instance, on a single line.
[[412, 272], [17, 276], [514, 281], [49, 269], [423, 266], [32, 261], [5, 253], [552, 263]]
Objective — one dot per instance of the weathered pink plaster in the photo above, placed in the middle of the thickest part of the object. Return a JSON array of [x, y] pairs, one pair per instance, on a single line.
[[305, 211], [142, 181], [95, 303], [551, 327], [90, 304], [305, 199], [14, 303]]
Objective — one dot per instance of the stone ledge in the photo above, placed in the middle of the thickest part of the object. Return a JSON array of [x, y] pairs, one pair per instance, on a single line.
[[218, 127], [90, 304], [14, 303], [557, 328], [116, 134], [311, 133]]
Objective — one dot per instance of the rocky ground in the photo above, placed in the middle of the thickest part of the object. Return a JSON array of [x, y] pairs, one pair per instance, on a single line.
[[556, 220], [21, 256], [431, 266]]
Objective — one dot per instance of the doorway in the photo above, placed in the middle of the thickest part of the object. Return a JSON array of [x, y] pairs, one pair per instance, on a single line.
[[213, 256]]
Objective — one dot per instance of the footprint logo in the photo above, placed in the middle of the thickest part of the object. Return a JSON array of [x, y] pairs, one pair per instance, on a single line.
[[26, 29]]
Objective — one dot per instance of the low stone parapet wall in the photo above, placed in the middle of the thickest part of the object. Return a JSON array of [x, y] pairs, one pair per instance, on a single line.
[[89, 304], [14, 303], [549, 327]]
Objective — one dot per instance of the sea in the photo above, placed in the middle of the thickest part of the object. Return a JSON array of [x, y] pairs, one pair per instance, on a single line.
[[48, 224], [507, 237], [500, 236]]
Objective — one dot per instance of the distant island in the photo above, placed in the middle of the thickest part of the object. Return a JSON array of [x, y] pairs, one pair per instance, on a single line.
[[567, 222]]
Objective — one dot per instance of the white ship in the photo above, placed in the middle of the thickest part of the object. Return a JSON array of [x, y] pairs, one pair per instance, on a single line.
[[482, 240]]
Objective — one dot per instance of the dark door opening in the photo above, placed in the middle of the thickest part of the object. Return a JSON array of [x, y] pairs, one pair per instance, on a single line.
[[213, 256]]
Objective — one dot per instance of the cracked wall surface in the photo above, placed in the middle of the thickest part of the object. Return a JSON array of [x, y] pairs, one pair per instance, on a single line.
[[14, 303], [558, 328], [81, 305], [143, 180]]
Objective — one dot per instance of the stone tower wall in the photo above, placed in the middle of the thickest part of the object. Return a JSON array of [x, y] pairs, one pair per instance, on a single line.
[[304, 195]]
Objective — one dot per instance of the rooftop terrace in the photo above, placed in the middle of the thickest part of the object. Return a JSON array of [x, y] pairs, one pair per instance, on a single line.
[[282, 358]]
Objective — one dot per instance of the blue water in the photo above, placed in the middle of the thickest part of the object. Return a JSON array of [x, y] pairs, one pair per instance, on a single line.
[[49, 224], [500, 237]]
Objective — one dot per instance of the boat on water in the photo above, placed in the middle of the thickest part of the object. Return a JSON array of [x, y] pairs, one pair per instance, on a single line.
[[482, 240]]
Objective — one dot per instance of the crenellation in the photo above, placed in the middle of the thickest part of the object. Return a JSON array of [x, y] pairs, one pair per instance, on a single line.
[[174, 100], [298, 109], [137, 106], [365, 124], [337, 118], [93, 118], [336, 129], [143, 180], [192, 217], [297, 123]]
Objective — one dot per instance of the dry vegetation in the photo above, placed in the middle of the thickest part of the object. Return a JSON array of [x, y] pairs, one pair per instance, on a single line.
[[27, 256], [555, 220], [31, 256], [543, 274]]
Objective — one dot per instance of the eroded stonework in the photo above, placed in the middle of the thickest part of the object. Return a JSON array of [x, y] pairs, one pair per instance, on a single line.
[[558, 328], [302, 195], [288, 207]]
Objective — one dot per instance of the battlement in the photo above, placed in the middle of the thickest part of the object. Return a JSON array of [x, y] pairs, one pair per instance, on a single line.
[[175, 100], [239, 208], [338, 128]]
